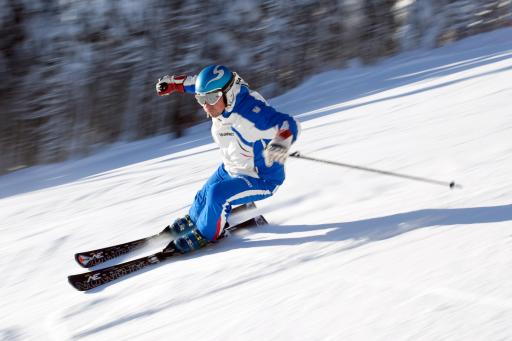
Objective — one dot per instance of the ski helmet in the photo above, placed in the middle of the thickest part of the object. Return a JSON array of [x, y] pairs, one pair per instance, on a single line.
[[214, 77]]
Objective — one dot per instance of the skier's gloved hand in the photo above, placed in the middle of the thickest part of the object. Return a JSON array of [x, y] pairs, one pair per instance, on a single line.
[[170, 84], [277, 149]]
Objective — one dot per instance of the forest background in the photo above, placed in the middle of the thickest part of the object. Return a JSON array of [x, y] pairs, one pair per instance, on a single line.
[[77, 75]]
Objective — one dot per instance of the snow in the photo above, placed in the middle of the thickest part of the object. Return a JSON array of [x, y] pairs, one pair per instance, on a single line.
[[348, 255]]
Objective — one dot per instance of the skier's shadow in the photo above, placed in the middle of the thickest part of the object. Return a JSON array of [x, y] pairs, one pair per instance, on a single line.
[[380, 228], [361, 232]]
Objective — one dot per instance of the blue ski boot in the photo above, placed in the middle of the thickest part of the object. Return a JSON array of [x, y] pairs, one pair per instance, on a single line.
[[187, 241], [182, 225]]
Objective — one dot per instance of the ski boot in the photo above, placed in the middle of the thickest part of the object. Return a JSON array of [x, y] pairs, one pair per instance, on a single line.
[[187, 242], [182, 225], [189, 237]]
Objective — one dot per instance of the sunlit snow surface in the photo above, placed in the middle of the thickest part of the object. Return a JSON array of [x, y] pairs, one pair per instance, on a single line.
[[348, 255]]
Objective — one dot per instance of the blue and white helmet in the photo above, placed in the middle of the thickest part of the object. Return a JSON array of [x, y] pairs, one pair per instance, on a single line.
[[212, 78]]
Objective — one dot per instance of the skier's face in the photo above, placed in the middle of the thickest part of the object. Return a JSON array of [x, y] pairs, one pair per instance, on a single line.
[[214, 110]]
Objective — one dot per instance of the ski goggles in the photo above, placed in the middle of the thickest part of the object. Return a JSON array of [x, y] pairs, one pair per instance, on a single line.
[[211, 98]]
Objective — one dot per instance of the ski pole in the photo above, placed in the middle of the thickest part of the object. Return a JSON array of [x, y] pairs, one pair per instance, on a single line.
[[451, 184]]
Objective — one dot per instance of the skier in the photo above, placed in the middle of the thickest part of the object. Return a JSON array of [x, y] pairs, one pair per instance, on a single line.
[[254, 140]]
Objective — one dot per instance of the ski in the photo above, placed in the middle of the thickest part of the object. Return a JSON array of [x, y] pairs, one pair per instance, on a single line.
[[92, 258], [93, 279]]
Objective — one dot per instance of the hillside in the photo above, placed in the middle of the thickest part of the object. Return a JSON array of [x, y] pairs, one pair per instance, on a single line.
[[348, 255]]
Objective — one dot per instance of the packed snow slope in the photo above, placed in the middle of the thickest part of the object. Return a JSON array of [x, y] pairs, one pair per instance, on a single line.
[[348, 255]]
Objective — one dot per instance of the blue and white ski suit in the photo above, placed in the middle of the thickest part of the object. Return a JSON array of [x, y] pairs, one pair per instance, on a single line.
[[242, 132]]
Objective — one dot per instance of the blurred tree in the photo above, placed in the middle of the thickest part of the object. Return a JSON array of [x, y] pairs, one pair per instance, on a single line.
[[377, 38], [432, 23], [12, 33]]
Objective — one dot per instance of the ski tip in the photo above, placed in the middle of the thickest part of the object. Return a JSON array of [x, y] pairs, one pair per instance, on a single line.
[[73, 283], [82, 260]]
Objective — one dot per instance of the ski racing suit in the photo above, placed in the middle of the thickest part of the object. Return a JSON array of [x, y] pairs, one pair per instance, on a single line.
[[242, 132]]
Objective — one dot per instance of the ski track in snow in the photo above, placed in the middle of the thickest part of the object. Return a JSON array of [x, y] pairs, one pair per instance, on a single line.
[[348, 255]]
